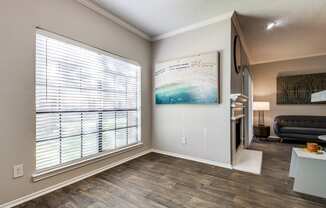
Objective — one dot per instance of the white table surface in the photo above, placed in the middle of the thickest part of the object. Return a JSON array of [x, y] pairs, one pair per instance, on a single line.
[[308, 155], [308, 170]]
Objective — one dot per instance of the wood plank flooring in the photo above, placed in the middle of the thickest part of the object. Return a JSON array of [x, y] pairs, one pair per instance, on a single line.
[[158, 181]]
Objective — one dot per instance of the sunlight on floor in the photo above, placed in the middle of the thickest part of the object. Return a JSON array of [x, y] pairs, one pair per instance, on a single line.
[[248, 161]]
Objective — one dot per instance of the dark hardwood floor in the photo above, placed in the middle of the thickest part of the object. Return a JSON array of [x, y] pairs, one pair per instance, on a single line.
[[160, 181]]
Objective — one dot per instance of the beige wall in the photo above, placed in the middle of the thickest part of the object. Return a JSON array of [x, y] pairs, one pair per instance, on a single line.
[[264, 77], [206, 127], [18, 19]]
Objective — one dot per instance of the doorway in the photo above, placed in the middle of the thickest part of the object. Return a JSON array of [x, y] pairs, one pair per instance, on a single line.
[[248, 120]]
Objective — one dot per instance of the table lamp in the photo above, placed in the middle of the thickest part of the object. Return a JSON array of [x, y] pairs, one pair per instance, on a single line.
[[261, 106]]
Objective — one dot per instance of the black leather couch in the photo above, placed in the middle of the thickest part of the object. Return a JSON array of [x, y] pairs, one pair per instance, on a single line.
[[303, 128]]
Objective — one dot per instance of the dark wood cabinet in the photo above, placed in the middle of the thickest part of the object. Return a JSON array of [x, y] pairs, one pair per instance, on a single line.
[[262, 131]]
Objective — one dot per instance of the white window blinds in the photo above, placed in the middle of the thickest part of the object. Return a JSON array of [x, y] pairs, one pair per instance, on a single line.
[[87, 101]]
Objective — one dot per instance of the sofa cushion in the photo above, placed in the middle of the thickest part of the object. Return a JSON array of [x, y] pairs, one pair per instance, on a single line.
[[301, 137], [301, 121], [303, 130]]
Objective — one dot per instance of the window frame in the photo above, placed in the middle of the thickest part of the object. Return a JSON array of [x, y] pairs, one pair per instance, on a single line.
[[67, 166]]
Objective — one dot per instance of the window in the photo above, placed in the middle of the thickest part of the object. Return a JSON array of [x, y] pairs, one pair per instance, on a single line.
[[87, 102]]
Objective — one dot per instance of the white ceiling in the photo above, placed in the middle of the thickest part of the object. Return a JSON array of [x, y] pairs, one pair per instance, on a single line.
[[301, 33]]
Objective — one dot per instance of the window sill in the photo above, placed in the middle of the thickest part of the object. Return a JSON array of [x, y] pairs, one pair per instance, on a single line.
[[41, 175]]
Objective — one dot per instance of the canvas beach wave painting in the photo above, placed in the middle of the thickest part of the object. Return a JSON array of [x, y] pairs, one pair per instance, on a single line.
[[190, 80]]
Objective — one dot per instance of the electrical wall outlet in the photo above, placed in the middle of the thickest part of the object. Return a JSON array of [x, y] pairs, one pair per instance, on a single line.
[[18, 170], [205, 133], [184, 140]]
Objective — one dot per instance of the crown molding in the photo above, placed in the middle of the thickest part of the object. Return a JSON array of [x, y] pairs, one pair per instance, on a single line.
[[91, 5], [194, 26], [243, 41], [288, 59], [96, 8]]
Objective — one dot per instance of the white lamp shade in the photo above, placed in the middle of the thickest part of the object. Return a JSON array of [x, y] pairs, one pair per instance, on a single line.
[[261, 106]]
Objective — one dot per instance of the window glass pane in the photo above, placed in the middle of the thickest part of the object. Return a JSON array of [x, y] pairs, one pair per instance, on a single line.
[[109, 140], [70, 124], [108, 120], [121, 138], [47, 153], [47, 126], [132, 135], [121, 119], [90, 122], [132, 118], [71, 148], [90, 144]]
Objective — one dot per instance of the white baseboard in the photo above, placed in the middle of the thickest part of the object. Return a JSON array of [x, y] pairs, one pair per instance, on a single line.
[[70, 181], [107, 167], [210, 162]]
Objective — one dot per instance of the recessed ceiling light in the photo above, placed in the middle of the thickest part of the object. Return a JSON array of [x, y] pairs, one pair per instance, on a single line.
[[270, 25], [276, 23]]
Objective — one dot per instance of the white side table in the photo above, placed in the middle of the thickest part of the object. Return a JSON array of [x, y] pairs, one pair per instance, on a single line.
[[308, 171], [322, 137]]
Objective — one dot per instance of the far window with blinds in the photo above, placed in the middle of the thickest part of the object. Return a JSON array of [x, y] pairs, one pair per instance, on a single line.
[[87, 102]]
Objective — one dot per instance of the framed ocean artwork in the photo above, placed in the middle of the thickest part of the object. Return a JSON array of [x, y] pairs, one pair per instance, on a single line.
[[190, 80]]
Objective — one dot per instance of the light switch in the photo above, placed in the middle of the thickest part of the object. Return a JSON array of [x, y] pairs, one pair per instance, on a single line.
[[18, 171], [184, 140], [205, 132]]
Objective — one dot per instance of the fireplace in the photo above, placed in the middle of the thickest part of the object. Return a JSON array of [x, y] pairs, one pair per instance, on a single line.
[[238, 103], [238, 130]]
